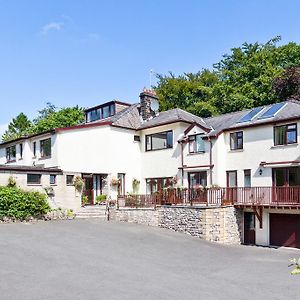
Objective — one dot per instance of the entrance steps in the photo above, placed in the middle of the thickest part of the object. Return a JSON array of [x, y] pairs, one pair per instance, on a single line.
[[92, 211]]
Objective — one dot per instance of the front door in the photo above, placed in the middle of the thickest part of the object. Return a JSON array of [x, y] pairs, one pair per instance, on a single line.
[[88, 189], [249, 228]]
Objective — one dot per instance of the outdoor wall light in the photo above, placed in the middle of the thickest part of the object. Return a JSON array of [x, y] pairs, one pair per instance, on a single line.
[[260, 172]]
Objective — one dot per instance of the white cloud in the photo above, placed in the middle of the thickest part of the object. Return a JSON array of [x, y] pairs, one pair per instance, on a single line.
[[53, 26]]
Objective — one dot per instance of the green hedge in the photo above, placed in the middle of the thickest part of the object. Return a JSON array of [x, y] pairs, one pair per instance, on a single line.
[[19, 204]]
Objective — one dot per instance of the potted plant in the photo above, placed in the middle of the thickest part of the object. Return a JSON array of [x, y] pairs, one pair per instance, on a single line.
[[101, 199], [115, 182], [78, 183], [84, 200]]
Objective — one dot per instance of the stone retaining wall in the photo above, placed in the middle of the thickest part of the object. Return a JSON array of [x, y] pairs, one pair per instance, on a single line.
[[217, 224]]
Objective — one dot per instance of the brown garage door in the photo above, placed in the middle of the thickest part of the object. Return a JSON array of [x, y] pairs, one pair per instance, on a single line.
[[285, 230]]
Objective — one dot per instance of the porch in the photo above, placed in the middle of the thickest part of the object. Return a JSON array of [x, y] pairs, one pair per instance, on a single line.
[[272, 197]]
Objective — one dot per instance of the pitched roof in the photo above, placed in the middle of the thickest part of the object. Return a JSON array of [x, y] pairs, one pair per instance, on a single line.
[[29, 169], [291, 110], [172, 116]]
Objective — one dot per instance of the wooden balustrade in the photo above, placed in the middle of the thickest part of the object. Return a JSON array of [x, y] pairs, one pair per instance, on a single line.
[[241, 196]]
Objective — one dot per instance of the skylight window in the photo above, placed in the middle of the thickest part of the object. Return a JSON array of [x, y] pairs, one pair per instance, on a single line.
[[251, 114], [272, 111]]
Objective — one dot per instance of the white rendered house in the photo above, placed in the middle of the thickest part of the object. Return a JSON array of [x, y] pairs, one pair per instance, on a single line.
[[254, 153]]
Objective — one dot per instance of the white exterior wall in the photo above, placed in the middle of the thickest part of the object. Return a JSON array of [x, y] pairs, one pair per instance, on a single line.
[[100, 150], [64, 196], [28, 158]]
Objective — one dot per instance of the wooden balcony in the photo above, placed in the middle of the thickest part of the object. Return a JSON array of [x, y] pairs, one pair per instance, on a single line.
[[239, 196]]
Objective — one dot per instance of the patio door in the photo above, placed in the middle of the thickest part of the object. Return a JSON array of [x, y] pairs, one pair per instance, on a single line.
[[231, 193], [284, 179]]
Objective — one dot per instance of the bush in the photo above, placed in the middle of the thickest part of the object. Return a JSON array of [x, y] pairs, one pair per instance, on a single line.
[[19, 204], [101, 198]]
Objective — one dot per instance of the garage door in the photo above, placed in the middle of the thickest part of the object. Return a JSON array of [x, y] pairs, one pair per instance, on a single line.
[[285, 230]]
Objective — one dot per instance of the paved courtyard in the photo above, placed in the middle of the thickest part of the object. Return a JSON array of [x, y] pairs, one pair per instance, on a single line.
[[88, 259]]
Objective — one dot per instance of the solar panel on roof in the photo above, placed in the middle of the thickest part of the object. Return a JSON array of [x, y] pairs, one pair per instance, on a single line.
[[270, 113], [250, 115]]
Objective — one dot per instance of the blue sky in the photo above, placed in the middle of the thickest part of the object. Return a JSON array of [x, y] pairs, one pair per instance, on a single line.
[[89, 52]]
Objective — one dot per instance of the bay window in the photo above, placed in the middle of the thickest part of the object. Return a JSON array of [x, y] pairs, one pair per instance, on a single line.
[[196, 144]]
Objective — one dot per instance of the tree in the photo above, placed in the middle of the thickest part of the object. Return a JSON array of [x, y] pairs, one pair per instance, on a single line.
[[242, 79], [287, 85], [48, 118], [192, 92], [18, 127]]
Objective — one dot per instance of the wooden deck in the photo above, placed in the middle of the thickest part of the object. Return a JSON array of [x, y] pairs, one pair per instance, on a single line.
[[277, 197]]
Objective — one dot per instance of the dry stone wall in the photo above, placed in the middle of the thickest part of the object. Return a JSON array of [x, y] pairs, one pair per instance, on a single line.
[[217, 224]]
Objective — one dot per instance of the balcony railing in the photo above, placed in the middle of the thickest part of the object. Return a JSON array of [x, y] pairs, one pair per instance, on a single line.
[[239, 196]]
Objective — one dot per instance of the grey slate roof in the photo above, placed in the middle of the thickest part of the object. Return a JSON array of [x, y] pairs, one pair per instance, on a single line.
[[174, 115], [231, 120]]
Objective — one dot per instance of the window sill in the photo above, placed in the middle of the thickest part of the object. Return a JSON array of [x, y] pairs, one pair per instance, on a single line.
[[195, 153], [236, 150], [53, 184], [283, 146], [44, 158], [10, 161], [20, 158], [158, 150], [34, 184]]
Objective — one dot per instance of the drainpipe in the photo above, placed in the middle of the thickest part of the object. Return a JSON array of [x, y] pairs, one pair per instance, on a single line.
[[182, 172], [210, 162]]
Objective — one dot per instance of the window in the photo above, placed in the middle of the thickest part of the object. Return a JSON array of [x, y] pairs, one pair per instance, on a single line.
[[196, 144], [34, 149], [137, 138], [69, 179], [45, 148], [52, 179], [236, 140], [197, 179], [34, 178], [285, 134], [154, 185], [21, 151], [161, 140], [11, 153], [100, 113], [247, 178]]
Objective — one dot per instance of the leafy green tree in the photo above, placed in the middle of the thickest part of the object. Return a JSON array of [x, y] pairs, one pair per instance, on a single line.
[[287, 85], [19, 126], [50, 118], [242, 79]]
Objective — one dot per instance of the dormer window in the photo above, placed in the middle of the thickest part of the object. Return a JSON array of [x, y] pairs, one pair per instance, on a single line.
[[11, 154], [101, 112]]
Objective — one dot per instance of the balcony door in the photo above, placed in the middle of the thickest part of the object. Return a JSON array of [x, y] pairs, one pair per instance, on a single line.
[[231, 193], [285, 184]]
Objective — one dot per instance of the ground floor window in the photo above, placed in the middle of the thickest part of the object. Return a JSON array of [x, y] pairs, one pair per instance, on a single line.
[[197, 179], [156, 184], [247, 178], [34, 178], [286, 176]]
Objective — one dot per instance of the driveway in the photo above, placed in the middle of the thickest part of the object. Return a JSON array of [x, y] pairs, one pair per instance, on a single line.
[[89, 259]]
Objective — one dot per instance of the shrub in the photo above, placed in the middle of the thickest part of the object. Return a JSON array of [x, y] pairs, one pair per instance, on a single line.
[[101, 198], [19, 204], [11, 182], [84, 200]]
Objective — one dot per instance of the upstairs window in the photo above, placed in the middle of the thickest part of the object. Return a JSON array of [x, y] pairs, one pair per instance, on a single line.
[[52, 179], [100, 113], [11, 154], [196, 144], [285, 134], [161, 140], [34, 149], [236, 140], [45, 148], [69, 179]]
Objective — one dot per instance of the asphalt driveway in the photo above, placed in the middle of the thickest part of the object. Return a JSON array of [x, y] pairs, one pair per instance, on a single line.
[[88, 259]]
